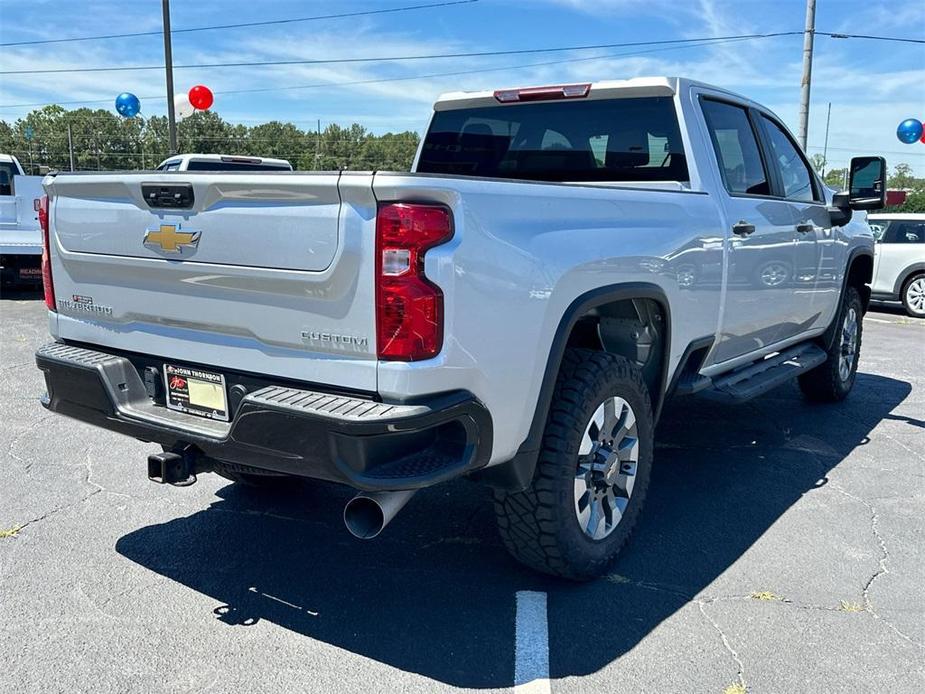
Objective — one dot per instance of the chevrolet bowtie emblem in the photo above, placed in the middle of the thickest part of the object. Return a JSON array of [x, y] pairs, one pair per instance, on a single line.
[[170, 239]]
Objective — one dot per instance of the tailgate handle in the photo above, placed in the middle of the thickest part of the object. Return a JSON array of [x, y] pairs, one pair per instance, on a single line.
[[175, 196]]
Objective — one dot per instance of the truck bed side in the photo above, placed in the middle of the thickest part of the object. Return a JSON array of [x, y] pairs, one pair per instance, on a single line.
[[521, 254]]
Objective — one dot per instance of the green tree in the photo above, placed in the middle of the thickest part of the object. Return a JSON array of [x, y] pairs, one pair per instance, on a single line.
[[901, 178], [102, 140], [279, 140], [205, 132], [915, 202], [835, 178]]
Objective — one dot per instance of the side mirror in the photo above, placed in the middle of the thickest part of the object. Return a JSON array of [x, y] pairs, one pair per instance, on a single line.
[[867, 183]]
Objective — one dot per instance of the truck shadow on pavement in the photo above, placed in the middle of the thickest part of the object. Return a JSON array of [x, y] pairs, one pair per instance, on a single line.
[[435, 594]]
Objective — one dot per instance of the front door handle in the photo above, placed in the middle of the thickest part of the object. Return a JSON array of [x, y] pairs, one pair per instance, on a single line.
[[743, 228], [805, 228]]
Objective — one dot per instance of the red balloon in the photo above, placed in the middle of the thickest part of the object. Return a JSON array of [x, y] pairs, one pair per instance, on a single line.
[[923, 138], [201, 97]]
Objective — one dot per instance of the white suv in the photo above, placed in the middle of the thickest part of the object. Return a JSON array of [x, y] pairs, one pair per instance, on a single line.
[[899, 260]]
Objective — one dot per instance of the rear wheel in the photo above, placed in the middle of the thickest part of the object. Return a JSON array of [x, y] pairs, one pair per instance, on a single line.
[[592, 473], [914, 296], [832, 380]]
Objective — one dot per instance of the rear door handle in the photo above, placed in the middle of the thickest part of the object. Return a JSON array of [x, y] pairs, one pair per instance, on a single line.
[[743, 228], [806, 228]]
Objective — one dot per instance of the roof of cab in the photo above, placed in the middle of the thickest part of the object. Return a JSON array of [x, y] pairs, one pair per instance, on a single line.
[[219, 157], [607, 89]]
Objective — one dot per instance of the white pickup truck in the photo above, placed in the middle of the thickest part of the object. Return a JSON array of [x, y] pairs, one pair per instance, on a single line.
[[517, 309], [222, 162], [20, 238]]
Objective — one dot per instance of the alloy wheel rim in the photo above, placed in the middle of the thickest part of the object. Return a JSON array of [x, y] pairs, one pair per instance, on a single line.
[[915, 295], [773, 275], [608, 458], [848, 345]]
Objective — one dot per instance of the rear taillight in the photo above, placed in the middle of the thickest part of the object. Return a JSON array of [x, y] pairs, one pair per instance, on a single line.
[[46, 254], [409, 308]]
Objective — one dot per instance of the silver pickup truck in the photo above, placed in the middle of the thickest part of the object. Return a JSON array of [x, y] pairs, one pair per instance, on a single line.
[[517, 309]]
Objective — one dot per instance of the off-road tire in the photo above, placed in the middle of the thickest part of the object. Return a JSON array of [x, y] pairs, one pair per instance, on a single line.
[[824, 384], [539, 526]]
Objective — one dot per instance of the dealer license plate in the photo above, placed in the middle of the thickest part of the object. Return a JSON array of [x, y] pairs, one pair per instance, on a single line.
[[197, 392]]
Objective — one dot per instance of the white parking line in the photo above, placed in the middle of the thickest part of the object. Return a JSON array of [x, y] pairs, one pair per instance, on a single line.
[[531, 644]]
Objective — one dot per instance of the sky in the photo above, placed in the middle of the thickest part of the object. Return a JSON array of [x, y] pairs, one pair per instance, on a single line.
[[872, 85]]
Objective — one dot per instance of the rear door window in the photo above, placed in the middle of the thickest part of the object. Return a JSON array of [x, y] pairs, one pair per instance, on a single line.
[[905, 232], [736, 148], [600, 140]]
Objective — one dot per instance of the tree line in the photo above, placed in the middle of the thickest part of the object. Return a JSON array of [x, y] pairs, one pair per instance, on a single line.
[[102, 140]]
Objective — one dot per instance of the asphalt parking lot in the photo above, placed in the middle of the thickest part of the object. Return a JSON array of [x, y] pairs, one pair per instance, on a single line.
[[782, 550]]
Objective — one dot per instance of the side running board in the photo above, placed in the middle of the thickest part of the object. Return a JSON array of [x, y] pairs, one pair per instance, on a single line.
[[759, 377]]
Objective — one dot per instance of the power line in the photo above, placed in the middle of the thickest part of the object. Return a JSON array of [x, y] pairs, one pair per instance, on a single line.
[[839, 35], [455, 73], [908, 153], [398, 58], [293, 20]]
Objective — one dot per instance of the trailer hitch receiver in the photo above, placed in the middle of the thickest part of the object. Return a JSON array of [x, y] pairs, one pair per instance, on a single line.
[[176, 467]]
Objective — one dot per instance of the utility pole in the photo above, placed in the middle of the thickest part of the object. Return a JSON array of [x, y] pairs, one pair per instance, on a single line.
[[70, 146], [168, 64], [825, 148], [808, 34], [318, 145]]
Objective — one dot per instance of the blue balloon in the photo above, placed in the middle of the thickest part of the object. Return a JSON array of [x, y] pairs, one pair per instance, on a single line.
[[128, 105], [909, 131]]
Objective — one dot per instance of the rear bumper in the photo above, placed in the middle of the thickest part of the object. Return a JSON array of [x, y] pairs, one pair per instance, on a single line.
[[299, 431], [20, 268]]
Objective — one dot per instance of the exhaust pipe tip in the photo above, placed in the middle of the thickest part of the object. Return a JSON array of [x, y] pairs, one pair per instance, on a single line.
[[366, 515]]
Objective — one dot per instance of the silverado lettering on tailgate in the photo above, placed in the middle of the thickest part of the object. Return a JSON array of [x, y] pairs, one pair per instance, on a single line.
[[83, 304]]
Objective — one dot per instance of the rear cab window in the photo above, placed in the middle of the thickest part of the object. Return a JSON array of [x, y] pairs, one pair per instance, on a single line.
[[605, 140], [216, 165], [8, 171]]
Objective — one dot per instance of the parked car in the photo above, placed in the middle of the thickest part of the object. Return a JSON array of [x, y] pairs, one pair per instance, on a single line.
[[517, 309], [222, 162], [899, 260], [20, 236]]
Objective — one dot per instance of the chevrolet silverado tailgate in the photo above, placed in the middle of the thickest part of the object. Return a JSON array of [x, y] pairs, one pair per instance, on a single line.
[[258, 272]]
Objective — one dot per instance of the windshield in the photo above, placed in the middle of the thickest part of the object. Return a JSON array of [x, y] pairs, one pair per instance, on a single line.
[[603, 140]]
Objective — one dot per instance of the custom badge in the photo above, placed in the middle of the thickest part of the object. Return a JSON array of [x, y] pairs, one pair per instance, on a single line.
[[170, 239]]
